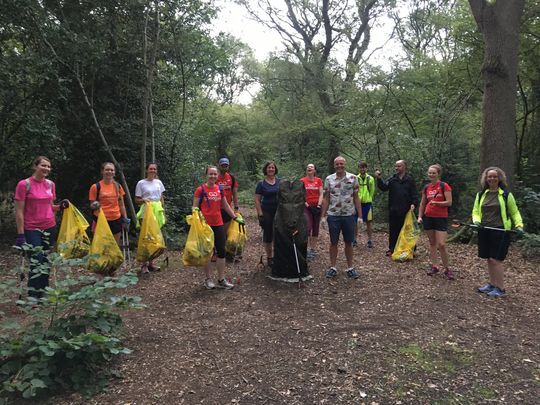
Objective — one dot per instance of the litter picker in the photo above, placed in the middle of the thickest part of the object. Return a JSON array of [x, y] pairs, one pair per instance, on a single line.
[[260, 265], [457, 224], [242, 229], [20, 274], [125, 248], [300, 281]]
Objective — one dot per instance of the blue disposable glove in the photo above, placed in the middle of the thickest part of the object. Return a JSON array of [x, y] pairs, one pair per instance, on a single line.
[[478, 224], [520, 231], [126, 222], [21, 240]]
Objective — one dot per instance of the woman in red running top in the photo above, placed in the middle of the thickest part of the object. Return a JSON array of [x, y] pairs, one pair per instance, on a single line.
[[312, 210], [433, 213], [210, 200]]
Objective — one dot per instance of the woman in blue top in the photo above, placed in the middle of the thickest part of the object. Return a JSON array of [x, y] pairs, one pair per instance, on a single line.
[[266, 202]]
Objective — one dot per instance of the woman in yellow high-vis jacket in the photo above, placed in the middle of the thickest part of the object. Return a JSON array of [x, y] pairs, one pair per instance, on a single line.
[[495, 207]]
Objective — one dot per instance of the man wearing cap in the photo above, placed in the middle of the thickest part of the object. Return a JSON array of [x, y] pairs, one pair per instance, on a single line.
[[230, 189]]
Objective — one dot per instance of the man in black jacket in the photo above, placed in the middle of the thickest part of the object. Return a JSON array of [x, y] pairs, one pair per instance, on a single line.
[[402, 197]]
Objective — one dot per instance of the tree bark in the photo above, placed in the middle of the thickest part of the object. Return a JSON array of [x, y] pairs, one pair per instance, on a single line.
[[499, 22], [149, 63]]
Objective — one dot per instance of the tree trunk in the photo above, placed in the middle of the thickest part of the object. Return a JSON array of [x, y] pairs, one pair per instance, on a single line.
[[499, 22], [77, 77], [123, 181], [149, 64]]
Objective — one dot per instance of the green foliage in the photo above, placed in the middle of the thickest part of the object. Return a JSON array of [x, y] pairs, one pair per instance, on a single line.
[[63, 340]]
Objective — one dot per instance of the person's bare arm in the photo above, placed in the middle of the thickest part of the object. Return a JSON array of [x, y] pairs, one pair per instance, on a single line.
[[421, 208], [19, 215], [325, 203], [258, 204]]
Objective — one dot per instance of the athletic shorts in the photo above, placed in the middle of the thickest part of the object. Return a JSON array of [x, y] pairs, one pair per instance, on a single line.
[[226, 217], [268, 226], [116, 226], [345, 225], [435, 224], [493, 244], [219, 240]]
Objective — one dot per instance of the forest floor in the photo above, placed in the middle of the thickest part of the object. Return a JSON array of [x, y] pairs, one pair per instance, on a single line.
[[393, 336]]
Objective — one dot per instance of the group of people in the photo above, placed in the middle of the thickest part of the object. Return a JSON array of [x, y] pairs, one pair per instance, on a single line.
[[343, 199], [35, 210]]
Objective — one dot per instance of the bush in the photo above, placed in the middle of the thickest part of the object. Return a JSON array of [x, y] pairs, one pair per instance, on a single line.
[[64, 339]]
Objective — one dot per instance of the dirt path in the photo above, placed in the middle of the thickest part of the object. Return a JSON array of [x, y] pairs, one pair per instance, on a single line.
[[395, 336]]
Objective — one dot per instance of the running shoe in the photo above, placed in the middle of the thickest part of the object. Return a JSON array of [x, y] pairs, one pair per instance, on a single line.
[[153, 267], [432, 270], [331, 272], [449, 274], [496, 293], [352, 273], [209, 284], [369, 244], [486, 288], [144, 269], [224, 284]]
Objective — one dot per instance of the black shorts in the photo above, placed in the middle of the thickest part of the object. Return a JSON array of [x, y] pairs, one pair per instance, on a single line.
[[493, 244], [435, 224], [226, 217], [219, 240], [268, 226], [115, 225]]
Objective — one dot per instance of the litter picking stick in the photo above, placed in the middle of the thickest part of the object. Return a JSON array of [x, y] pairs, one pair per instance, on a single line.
[[260, 266], [20, 275], [300, 281], [458, 224], [125, 246], [235, 253]]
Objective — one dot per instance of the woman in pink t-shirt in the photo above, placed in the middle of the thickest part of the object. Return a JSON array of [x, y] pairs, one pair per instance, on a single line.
[[433, 213], [36, 223], [312, 210], [210, 200]]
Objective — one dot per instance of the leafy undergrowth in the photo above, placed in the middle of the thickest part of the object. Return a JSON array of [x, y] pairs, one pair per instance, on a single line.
[[394, 336], [61, 342]]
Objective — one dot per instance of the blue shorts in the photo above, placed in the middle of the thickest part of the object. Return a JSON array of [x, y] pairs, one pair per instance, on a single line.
[[345, 225], [367, 213]]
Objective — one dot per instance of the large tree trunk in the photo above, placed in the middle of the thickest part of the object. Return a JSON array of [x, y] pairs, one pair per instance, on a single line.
[[499, 22]]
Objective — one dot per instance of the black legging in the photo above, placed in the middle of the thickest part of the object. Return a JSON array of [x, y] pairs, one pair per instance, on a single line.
[[395, 223], [219, 240]]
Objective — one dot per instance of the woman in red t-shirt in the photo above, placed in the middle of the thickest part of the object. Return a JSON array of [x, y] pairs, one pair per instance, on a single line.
[[210, 200], [433, 213], [312, 210]]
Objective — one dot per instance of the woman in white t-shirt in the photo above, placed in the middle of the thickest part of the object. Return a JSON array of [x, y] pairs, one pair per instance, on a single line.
[[151, 190]]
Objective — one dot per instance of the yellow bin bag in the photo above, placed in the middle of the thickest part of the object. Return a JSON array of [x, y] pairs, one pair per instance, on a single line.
[[236, 237], [200, 241], [105, 254], [408, 236], [73, 242], [151, 243]]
